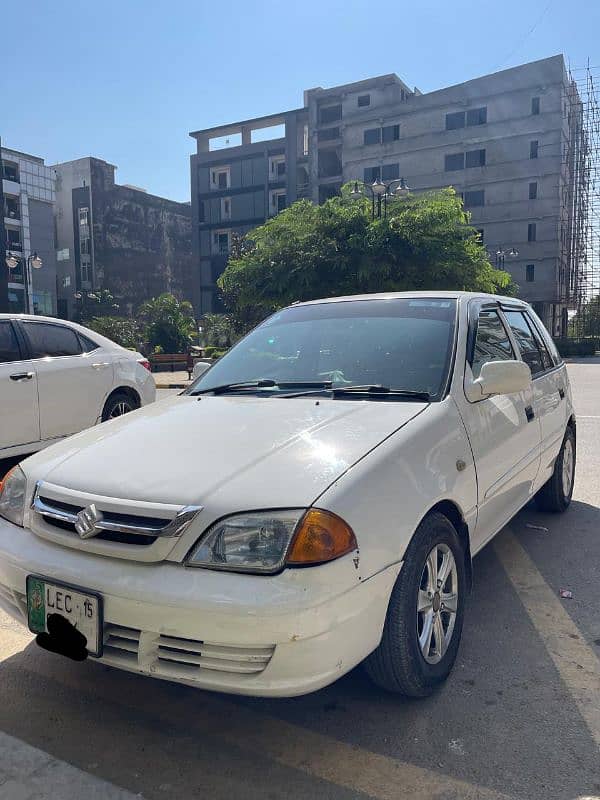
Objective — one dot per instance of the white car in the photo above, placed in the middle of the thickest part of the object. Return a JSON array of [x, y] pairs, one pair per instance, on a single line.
[[313, 501], [57, 378]]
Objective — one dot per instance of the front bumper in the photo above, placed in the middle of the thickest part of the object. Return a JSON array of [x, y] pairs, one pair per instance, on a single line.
[[275, 636]]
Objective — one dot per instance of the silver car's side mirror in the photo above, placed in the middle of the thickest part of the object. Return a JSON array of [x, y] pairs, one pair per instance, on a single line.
[[499, 377], [200, 368]]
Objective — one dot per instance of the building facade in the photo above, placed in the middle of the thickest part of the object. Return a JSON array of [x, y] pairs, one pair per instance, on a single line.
[[510, 143], [117, 237], [27, 200]]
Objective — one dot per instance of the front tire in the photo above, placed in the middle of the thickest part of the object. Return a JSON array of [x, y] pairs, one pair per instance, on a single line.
[[555, 495], [425, 615]]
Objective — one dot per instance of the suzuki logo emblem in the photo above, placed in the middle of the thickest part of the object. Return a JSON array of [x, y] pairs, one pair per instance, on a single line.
[[87, 522]]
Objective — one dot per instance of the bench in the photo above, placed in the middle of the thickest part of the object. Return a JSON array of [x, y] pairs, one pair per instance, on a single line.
[[171, 362]]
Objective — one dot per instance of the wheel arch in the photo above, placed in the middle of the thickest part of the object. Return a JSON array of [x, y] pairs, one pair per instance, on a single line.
[[453, 514]]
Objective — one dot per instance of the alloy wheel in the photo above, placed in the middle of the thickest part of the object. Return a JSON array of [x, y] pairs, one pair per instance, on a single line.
[[437, 603]]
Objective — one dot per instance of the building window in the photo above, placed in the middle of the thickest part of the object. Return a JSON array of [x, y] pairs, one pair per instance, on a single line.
[[201, 211], [277, 168], [10, 171], [14, 239], [364, 100], [475, 158], [328, 134], [477, 116], [475, 198], [329, 114], [532, 232], [84, 216], [221, 242], [535, 105], [305, 140], [85, 246], [85, 276], [372, 174], [220, 178], [534, 148], [390, 133], [454, 161], [12, 207], [389, 172], [455, 120], [533, 190], [372, 136], [277, 201], [226, 208], [530, 273]]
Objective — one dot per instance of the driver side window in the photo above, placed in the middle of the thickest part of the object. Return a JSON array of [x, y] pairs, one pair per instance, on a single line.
[[491, 342]]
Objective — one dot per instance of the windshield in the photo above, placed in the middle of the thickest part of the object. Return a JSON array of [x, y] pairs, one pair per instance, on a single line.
[[397, 343]]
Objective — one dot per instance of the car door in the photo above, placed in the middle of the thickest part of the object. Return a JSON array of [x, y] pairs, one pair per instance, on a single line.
[[503, 429], [18, 392], [72, 384], [549, 402]]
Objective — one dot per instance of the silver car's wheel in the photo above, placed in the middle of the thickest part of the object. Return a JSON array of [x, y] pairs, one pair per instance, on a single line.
[[437, 603], [568, 467], [120, 403]]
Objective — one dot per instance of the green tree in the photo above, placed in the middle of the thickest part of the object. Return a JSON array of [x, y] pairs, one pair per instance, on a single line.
[[309, 251], [218, 330], [99, 303], [122, 330], [169, 323], [587, 320]]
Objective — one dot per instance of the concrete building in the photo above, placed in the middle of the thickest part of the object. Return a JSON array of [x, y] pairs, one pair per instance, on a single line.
[[509, 142], [117, 237], [27, 200]]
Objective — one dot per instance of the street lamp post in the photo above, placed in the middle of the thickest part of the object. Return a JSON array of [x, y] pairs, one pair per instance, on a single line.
[[501, 254], [32, 260], [380, 192]]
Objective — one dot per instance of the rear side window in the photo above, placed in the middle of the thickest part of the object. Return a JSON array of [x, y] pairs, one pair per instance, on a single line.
[[539, 326], [491, 342], [87, 344], [533, 352], [51, 340], [9, 347]]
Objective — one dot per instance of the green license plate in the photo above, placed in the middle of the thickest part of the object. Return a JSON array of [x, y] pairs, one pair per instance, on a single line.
[[81, 608]]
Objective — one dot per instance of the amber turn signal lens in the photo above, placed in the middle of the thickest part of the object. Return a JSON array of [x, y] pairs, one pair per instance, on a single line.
[[4, 478], [321, 536]]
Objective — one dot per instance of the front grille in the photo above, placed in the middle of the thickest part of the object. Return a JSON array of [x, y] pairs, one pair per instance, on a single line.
[[121, 645], [178, 658], [188, 657], [109, 516]]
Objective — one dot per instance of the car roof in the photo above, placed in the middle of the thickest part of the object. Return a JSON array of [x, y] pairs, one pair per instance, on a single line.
[[454, 295], [96, 337]]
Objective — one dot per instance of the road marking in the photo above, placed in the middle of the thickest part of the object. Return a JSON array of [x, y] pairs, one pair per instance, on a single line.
[[317, 755], [576, 662]]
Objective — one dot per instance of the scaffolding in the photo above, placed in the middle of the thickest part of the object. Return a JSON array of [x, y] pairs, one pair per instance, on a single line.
[[579, 277]]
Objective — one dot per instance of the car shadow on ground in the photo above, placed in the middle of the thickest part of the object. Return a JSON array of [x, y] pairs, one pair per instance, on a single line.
[[503, 721]]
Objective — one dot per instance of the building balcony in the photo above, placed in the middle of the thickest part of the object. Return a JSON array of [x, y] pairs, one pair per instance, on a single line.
[[11, 187]]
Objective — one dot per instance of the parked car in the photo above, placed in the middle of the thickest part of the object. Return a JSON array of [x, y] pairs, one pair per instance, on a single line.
[[311, 502], [57, 378]]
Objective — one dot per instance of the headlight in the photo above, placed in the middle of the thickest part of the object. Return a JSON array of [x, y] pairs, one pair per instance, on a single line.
[[265, 541], [12, 496]]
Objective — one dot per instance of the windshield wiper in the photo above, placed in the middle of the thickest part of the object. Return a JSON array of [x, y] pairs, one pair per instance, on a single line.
[[380, 391], [264, 383]]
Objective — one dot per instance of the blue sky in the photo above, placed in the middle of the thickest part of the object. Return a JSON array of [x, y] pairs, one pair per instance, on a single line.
[[126, 81]]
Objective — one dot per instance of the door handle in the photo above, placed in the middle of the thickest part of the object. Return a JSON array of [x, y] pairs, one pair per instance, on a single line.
[[21, 376], [101, 364], [530, 413]]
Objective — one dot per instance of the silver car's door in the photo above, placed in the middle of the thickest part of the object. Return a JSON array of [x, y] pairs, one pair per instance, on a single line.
[[19, 412]]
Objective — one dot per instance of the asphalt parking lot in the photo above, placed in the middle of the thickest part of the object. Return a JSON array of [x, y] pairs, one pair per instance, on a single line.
[[519, 717]]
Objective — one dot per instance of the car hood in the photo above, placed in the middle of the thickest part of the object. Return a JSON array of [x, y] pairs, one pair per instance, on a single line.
[[251, 452]]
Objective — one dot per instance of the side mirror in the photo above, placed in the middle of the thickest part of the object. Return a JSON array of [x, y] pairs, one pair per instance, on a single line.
[[500, 377], [200, 368]]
